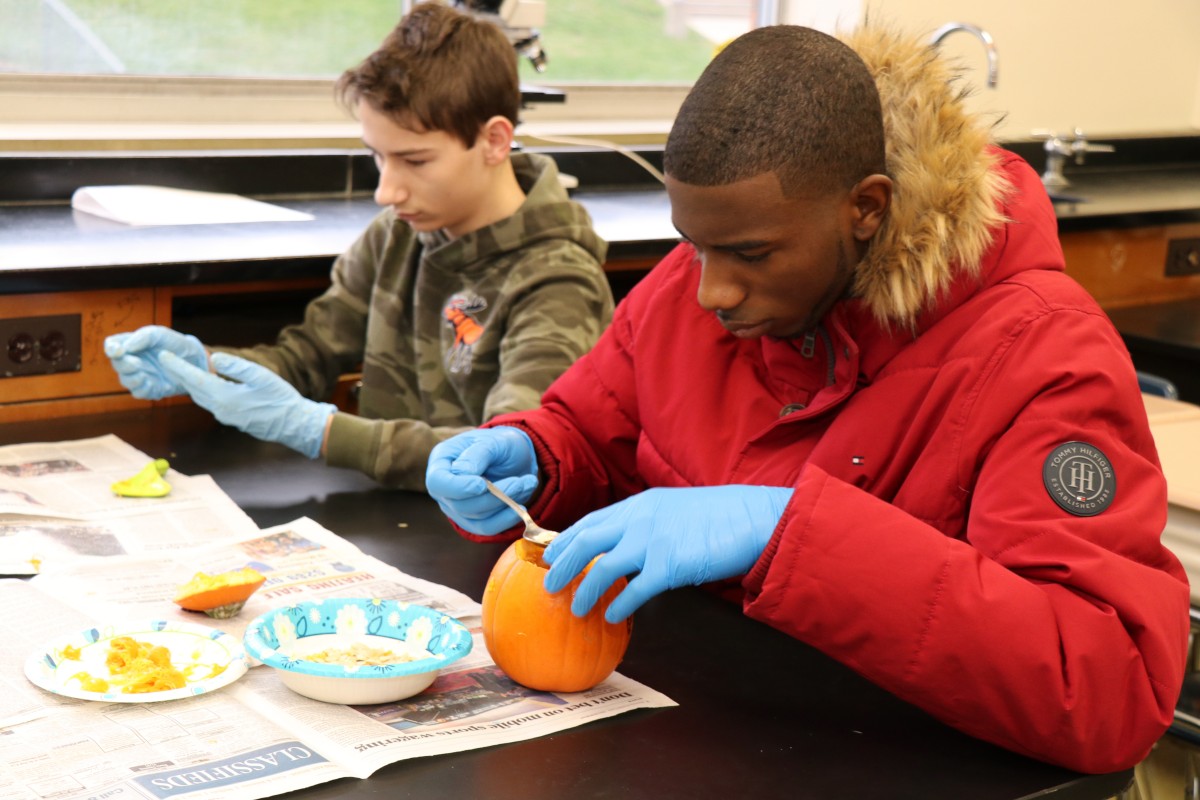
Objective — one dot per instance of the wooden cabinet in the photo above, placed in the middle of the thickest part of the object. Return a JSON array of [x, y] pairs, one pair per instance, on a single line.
[[94, 388], [232, 314], [1127, 267]]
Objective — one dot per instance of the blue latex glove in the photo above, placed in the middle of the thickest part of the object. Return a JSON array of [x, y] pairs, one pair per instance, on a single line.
[[255, 400], [503, 455], [669, 538], [135, 357]]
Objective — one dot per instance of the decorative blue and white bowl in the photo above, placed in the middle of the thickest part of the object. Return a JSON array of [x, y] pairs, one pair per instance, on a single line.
[[428, 639]]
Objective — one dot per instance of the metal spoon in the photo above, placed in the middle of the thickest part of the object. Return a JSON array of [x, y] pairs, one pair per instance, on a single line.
[[533, 532]]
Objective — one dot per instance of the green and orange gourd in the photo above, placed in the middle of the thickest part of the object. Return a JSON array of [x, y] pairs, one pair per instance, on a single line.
[[219, 596]]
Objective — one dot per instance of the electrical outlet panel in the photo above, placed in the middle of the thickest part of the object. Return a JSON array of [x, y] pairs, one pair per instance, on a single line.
[[1183, 257], [40, 345]]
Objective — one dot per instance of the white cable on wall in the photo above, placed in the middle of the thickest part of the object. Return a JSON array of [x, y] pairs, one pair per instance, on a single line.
[[607, 145]]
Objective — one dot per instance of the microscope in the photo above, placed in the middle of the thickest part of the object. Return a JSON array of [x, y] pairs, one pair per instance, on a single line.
[[519, 19]]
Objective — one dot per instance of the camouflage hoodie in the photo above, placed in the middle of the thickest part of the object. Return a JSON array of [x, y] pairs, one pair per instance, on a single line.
[[448, 332]]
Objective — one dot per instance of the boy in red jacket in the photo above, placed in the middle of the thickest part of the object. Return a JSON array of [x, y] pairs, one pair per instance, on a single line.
[[917, 444]]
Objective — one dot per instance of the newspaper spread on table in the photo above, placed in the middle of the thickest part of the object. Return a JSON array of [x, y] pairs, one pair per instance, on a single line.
[[254, 738], [57, 505]]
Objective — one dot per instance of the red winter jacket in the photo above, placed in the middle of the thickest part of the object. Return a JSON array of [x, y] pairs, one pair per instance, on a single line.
[[934, 542], [921, 546]]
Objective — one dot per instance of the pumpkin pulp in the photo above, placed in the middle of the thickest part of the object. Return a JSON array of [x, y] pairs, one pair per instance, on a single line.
[[532, 634]]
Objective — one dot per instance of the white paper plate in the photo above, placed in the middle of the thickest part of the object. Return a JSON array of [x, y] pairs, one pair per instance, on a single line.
[[209, 658]]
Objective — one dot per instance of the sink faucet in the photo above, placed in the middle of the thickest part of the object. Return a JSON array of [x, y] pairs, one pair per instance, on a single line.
[[980, 34], [1059, 149]]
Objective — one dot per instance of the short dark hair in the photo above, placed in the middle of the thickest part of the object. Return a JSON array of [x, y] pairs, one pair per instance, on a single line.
[[781, 99], [439, 69]]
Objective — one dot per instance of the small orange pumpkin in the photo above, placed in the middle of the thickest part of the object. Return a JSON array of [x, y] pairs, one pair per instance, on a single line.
[[219, 596], [532, 634]]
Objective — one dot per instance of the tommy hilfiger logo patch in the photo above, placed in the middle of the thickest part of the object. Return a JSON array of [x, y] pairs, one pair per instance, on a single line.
[[1080, 478]]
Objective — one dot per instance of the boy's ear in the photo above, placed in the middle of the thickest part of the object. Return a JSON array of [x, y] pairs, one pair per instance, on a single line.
[[870, 198], [496, 137]]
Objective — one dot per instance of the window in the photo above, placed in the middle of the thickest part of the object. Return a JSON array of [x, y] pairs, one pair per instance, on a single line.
[[626, 40], [284, 38], [74, 61]]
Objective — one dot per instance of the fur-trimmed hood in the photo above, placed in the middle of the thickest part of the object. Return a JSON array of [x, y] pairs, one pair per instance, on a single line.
[[947, 195]]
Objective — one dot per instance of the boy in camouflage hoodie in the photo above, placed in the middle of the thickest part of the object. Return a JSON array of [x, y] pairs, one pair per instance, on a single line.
[[465, 298]]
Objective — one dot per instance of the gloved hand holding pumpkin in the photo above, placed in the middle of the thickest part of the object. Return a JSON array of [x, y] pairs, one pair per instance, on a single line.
[[666, 538], [457, 467]]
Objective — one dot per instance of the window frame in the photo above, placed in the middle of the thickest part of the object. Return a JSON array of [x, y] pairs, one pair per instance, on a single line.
[[126, 109]]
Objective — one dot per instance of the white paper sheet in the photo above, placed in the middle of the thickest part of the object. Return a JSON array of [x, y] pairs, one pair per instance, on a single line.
[[162, 205]]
